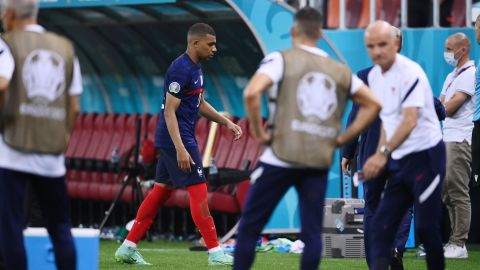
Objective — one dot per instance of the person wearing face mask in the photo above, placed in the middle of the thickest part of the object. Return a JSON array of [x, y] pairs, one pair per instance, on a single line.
[[456, 96]]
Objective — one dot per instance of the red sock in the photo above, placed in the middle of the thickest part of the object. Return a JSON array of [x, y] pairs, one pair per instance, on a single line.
[[201, 214], [147, 211]]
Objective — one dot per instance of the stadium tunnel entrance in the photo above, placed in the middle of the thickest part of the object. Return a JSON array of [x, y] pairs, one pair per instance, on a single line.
[[124, 50]]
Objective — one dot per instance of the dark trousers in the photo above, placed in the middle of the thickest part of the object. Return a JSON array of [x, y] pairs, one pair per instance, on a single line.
[[270, 184], [415, 179], [372, 195], [476, 153], [52, 197]]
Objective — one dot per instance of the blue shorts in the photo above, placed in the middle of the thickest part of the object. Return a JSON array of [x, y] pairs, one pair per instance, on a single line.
[[169, 173]]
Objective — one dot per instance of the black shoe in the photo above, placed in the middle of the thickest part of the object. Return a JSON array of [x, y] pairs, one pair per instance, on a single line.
[[396, 262]]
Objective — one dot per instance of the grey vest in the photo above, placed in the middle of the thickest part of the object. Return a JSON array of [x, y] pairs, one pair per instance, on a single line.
[[35, 114], [306, 112]]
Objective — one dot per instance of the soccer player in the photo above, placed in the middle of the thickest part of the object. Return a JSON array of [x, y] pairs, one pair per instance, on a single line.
[[410, 152], [180, 163], [40, 82], [305, 120]]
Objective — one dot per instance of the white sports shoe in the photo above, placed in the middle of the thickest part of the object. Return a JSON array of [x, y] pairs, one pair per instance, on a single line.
[[452, 251]]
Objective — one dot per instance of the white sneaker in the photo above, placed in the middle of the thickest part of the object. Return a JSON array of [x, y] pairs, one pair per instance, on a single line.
[[455, 252]]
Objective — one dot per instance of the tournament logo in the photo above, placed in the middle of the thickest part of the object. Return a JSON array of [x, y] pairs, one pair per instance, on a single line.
[[316, 95], [44, 75], [174, 87]]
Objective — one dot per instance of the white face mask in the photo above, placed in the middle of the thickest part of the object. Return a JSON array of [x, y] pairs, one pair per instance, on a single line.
[[450, 58]]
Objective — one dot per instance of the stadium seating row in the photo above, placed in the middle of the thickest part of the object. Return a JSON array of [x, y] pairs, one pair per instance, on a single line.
[[91, 175], [358, 13]]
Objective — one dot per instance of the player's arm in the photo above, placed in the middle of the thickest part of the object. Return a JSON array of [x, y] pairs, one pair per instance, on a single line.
[[211, 114], [76, 88], [457, 100], [3, 89], [183, 157], [348, 150], [369, 107], [376, 163], [252, 97], [73, 110], [7, 66]]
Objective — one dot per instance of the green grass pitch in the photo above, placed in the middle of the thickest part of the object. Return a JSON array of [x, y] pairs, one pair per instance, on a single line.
[[175, 255]]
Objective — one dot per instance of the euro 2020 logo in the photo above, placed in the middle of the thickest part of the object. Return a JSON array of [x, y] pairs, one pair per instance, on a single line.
[[44, 75], [316, 95]]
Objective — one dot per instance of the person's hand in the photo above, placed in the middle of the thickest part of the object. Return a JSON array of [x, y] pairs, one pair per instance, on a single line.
[[346, 166], [184, 160], [235, 129], [374, 165], [263, 137], [339, 140]]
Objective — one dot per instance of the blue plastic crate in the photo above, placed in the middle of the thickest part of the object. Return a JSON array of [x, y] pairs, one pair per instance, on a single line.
[[40, 253]]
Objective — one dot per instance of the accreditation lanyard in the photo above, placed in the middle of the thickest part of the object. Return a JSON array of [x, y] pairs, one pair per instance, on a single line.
[[456, 76]]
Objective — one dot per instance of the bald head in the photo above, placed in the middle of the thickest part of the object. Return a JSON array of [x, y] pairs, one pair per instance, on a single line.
[[382, 42], [24, 9], [459, 40], [382, 28], [477, 29], [457, 45]]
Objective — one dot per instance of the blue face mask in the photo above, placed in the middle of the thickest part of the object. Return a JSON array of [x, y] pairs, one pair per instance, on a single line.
[[450, 58]]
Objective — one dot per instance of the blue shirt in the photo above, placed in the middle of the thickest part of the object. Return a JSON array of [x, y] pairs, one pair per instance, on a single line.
[[476, 106], [369, 139], [183, 80]]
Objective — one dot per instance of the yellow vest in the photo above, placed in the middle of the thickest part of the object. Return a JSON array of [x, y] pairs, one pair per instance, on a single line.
[[35, 114], [306, 112]]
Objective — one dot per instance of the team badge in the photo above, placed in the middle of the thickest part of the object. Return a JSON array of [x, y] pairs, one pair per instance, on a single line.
[[174, 87]]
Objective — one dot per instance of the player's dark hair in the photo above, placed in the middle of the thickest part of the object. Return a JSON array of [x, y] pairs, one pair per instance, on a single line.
[[308, 21], [200, 30]]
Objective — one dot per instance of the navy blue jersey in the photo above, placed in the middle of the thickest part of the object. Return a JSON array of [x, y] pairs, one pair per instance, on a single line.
[[183, 80]]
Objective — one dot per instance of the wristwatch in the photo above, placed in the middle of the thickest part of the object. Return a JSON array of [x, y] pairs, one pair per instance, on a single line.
[[385, 150]]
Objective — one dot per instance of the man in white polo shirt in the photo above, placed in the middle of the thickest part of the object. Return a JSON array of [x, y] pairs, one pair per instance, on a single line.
[[410, 152], [457, 92]]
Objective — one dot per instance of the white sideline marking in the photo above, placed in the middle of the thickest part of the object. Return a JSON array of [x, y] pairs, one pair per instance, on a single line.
[[164, 250], [427, 192]]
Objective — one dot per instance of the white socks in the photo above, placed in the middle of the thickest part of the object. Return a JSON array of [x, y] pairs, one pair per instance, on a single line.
[[129, 244], [215, 249]]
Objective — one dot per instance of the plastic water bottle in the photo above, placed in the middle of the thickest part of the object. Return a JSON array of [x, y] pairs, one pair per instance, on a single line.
[[115, 158], [213, 167], [339, 225]]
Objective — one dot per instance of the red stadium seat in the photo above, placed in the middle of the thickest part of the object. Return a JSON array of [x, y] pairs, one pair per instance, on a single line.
[[95, 140], [152, 125], [75, 139], [145, 119], [201, 133], [71, 178], [116, 137], [84, 141], [458, 13], [222, 146], [129, 137], [234, 160], [390, 11]]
